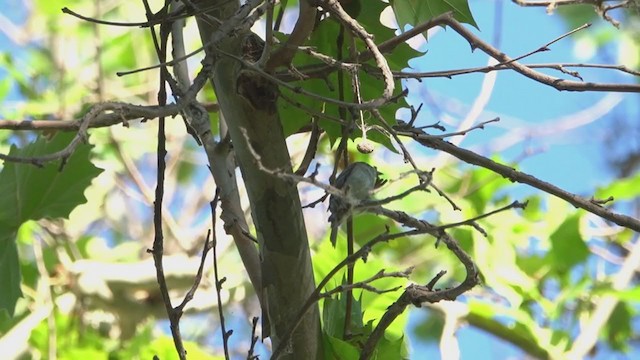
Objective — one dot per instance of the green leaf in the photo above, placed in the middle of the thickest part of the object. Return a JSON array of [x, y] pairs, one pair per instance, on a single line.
[[374, 305], [414, 12], [337, 349], [533, 212], [567, 246], [32, 193], [632, 294], [324, 40], [390, 349], [576, 16], [429, 329], [618, 329], [9, 270], [522, 329], [333, 315], [5, 87], [624, 189]]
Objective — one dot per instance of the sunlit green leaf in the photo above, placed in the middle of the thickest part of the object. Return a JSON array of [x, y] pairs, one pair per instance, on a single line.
[[567, 246], [324, 39], [338, 349], [415, 12], [390, 349], [35, 193], [632, 294], [624, 189], [44, 192], [333, 315]]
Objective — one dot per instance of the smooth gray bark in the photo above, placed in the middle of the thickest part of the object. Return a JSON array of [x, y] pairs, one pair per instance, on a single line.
[[248, 103]]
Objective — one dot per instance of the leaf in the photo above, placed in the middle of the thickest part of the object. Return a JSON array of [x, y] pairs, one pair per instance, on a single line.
[[632, 294], [624, 189], [9, 270], [5, 87], [324, 40], [390, 349], [374, 305], [618, 329], [567, 246], [486, 186], [32, 193], [575, 16], [429, 328], [414, 12], [522, 328], [333, 315], [338, 349]]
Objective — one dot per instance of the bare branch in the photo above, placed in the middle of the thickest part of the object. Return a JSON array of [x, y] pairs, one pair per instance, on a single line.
[[365, 284], [254, 340], [80, 137], [599, 6], [557, 83], [196, 282], [518, 176], [219, 282], [310, 153], [158, 241], [334, 7], [416, 294], [301, 31]]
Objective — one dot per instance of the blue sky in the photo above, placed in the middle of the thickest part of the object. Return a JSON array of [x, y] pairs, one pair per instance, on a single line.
[[572, 160]]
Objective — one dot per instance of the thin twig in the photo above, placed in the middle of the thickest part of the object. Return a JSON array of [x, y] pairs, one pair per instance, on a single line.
[[158, 242], [409, 158], [198, 278], [545, 47], [517, 176], [365, 284], [310, 153], [254, 339], [557, 83], [218, 281], [334, 7], [314, 297], [65, 153], [149, 23], [372, 104]]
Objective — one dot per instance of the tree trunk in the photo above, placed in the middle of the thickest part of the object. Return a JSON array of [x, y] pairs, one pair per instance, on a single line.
[[248, 103]]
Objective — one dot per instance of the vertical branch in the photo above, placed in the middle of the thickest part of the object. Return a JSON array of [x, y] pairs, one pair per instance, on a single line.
[[158, 241], [254, 339], [355, 87], [341, 151], [349, 294], [218, 281]]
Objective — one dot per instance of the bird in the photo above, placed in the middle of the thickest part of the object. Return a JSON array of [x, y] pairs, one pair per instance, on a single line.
[[356, 181]]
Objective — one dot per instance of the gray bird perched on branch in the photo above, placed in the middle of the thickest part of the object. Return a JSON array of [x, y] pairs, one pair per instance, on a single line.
[[357, 182]]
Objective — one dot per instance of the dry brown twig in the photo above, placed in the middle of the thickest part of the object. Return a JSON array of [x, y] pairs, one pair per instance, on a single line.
[[81, 137], [599, 6]]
